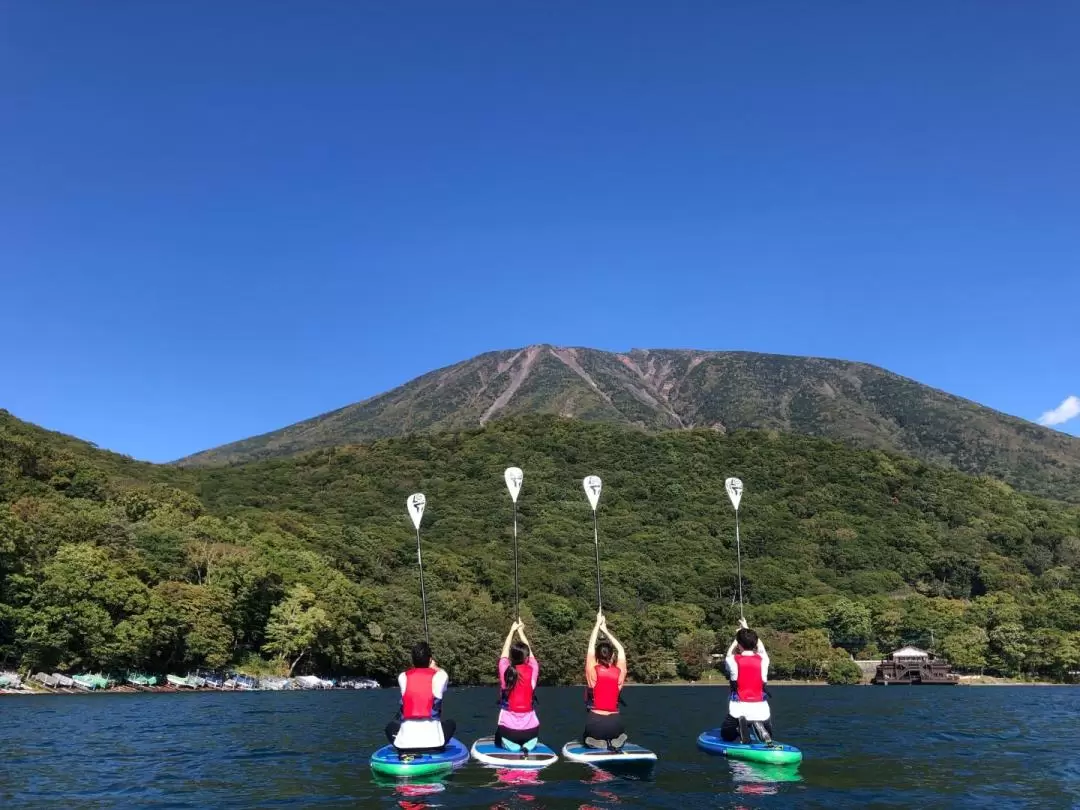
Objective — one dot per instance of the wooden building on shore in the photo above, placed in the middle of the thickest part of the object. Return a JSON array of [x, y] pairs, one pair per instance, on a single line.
[[910, 666]]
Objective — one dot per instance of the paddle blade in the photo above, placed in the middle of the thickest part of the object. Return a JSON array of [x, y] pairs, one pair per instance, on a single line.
[[514, 476], [592, 486], [734, 489], [415, 504]]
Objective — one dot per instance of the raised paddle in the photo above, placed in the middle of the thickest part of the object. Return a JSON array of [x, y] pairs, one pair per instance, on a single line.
[[593, 485], [734, 489], [415, 504], [514, 477]]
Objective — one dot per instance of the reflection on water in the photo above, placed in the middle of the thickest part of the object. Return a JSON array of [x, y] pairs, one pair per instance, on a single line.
[[760, 779], [958, 747]]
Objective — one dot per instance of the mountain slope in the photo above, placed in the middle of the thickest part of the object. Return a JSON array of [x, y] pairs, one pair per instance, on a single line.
[[658, 389], [841, 547]]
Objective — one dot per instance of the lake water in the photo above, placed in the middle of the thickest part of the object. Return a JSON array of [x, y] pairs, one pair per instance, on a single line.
[[864, 747]]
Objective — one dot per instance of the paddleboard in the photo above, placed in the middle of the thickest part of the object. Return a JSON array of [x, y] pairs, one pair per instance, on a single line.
[[387, 761], [630, 754], [486, 751], [775, 754]]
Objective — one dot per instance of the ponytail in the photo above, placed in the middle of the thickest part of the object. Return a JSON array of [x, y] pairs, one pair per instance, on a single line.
[[519, 654], [510, 678]]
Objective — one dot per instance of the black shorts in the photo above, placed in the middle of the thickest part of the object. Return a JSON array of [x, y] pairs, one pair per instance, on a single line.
[[729, 729], [603, 726]]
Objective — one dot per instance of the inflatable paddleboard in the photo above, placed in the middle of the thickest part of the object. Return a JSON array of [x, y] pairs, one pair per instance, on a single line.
[[629, 755], [486, 751], [387, 761], [775, 754]]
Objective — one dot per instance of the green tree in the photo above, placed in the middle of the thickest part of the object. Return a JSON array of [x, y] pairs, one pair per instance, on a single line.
[[694, 651], [966, 648], [841, 671], [849, 625], [296, 626]]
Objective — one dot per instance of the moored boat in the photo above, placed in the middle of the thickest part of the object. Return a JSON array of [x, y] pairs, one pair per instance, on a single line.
[[275, 684], [312, 682]]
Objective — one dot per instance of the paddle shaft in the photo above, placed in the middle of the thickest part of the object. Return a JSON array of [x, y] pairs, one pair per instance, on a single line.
[[596, 543], [423, 593], [738, 557], [517, 591]]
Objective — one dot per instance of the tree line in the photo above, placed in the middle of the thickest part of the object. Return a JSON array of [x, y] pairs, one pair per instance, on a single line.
[[308, 564]]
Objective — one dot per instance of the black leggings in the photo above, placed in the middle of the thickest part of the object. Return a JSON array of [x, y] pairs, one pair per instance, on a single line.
[[729, 729], [517, 736], [603, 726], [394, 726]]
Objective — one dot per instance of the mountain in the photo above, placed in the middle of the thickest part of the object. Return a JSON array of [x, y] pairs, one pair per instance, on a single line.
[[662, 389], [310, 561]]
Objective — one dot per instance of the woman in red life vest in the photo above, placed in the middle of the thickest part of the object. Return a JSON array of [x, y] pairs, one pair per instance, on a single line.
[[519, 671], [419, 724], [748, 670], [605, 674]]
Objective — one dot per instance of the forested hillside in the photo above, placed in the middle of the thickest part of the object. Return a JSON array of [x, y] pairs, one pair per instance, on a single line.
[[108, 564], [663, 389]]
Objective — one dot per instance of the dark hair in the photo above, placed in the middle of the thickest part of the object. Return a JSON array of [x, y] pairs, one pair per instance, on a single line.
[[519, 654], [605, 653], [421, 654], [747, 638]]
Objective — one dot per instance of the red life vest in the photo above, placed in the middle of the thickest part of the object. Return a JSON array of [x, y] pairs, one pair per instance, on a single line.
[[418, 701], [520, 698], [605, 694], [750, 685]]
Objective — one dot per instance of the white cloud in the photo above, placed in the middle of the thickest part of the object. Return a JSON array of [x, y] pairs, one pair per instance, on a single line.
[[1068, 409]]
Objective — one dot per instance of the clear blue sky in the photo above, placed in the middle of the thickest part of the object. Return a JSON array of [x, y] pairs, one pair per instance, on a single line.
[[218, 218]]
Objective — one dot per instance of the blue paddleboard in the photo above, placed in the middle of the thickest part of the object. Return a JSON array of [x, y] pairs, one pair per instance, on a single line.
[[775, 754], [388, 761]]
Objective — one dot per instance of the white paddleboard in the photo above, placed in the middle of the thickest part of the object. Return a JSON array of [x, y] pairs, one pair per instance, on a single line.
[[486, 751], [630, 754]]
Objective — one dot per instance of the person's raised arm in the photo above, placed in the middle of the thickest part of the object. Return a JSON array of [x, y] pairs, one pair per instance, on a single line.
[[509, 638], [620, 651], [590, 651], [521, 633]]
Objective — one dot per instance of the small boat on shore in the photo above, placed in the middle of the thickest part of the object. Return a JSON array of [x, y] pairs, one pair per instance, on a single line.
[[187, 682], [91, 682], [358, 683], [313, 682], [275, 684]]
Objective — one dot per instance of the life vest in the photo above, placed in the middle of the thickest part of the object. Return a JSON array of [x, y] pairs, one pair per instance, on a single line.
[[522, 697], [604, 695], [418, 702], [749, 685]]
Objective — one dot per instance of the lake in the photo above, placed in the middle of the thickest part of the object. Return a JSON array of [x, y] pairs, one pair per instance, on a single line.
[[864, 747]]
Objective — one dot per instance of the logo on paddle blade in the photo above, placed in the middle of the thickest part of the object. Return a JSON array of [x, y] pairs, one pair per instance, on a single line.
[[415, 504], [514, 476], [592, 486], [734, 489]]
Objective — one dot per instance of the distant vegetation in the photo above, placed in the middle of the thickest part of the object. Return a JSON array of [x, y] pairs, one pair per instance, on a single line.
[[309, 562], [662, 389]]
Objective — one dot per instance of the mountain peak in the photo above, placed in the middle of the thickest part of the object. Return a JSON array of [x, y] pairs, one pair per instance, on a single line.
[[661, 389]]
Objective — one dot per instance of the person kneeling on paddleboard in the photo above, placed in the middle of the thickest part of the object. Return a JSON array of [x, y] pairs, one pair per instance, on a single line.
[[605, 674], [748, 669], [519, 671], [419, 725]]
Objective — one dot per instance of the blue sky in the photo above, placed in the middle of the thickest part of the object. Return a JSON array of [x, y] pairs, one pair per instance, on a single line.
[[220, 218]]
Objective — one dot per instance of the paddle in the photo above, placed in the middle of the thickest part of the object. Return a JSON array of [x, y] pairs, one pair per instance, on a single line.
[[415, 504], [514, 477], [592, 486], [734, 489]]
